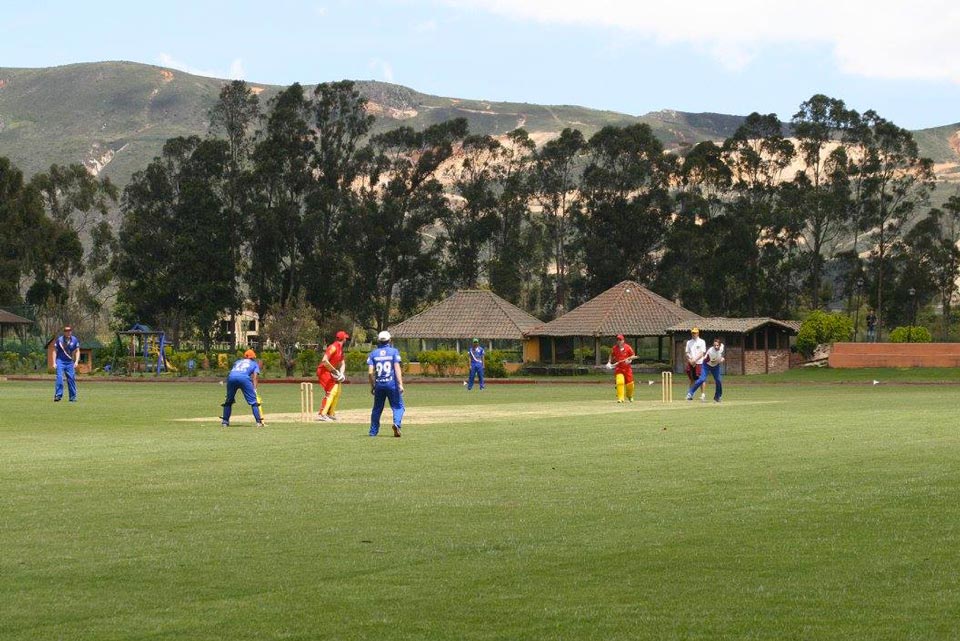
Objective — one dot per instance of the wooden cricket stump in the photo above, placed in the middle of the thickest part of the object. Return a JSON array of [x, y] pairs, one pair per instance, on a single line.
[[306, 402]]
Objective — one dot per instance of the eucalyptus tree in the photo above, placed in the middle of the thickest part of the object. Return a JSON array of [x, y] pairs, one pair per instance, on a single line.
[[626, 206], [233, 118], [819, 193], [395, 243], [893, 180], [756, 232], [341, 124], [556, 192], [473, 180], [25, 242], [173, 262], [517, 249], [281, 180], [931, 245], [79, 204], [703, 184]]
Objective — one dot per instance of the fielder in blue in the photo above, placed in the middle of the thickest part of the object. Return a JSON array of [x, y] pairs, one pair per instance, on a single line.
[[476, 364], [386, 383], [67, 348], [243, 377]]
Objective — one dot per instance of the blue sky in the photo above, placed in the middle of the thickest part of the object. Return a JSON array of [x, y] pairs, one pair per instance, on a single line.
[[901, 59]]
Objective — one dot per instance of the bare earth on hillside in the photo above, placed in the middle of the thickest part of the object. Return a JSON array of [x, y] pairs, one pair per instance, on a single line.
[[377, 109], [477, 413]]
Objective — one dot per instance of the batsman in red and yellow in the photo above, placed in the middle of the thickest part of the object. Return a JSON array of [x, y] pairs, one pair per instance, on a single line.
[[330, 375], [620, 358]]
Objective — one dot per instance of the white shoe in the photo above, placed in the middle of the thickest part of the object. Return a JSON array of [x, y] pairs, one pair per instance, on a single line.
[[331, 417], [703, 397], [323, 418]]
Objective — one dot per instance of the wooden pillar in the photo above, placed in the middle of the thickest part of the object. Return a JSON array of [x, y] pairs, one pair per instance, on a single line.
[[596, 350], [553, 350], [660, 349], [766, 350], [743, 355]]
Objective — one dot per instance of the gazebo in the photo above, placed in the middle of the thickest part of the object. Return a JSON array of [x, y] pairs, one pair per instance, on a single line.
[[627, 308], [751, 345], [8, 319], [467, 314]]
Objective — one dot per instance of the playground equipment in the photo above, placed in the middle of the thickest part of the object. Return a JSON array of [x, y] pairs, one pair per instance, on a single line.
[[147, 349]]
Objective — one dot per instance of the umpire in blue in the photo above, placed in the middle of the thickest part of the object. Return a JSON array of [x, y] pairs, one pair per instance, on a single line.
[[386, 383], [67, 348], [477, 354]]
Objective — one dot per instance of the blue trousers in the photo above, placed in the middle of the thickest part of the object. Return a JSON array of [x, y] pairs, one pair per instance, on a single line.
[[475, 370], [381, 394], [65, 369], [245, 385], [714, 370]]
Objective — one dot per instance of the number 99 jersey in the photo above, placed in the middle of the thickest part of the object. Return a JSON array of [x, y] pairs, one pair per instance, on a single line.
[[382, 360]]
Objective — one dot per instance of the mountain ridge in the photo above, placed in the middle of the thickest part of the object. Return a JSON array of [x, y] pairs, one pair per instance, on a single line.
[[115, 116]]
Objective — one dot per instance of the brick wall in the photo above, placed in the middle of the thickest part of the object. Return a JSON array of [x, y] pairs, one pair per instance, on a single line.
[[852, 355], [756, 361]]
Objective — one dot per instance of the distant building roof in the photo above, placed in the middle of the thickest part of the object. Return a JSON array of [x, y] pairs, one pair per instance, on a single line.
[[626, 308], [9, 318], [734, 325], [468, 313]]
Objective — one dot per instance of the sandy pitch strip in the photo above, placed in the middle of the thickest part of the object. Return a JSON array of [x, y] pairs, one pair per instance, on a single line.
[[476, 413]]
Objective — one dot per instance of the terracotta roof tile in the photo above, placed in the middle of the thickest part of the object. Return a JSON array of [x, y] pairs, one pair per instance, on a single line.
[[734, 325], [465, 314], [626, 308], [8, 318]]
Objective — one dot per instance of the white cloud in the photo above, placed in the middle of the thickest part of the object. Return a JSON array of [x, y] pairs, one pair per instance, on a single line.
[[880, 38], [235, 72], [320, 12], [383, 68]]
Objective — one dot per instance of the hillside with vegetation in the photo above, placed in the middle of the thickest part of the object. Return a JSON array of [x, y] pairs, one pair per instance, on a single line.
[[400, 198], [115, 116]]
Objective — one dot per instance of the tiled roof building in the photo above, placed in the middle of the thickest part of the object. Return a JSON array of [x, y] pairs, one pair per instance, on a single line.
[[753, 345], [627, 308], [465, 314]]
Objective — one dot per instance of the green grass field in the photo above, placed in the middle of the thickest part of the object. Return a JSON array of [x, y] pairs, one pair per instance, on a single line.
[[797, 510]]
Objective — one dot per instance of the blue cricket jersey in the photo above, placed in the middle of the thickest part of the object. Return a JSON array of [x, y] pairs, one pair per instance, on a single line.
[[65, 348], [245, 367], [476, 355], [382, 359]]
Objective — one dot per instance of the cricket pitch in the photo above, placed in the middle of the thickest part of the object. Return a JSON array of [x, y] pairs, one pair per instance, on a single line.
[[481, 413]]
